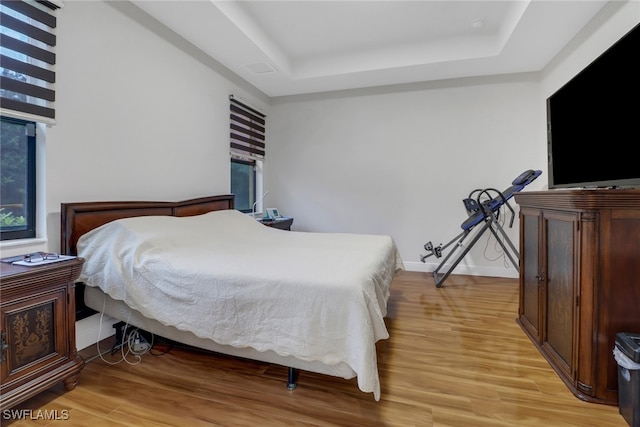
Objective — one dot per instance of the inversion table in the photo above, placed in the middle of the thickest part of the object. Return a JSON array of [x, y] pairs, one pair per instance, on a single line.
[[483, 207]]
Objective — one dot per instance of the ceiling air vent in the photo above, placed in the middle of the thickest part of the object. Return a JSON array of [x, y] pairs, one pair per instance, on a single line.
[[260, 68]]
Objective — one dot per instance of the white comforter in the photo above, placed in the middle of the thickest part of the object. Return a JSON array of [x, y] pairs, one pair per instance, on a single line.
[[225, 277]]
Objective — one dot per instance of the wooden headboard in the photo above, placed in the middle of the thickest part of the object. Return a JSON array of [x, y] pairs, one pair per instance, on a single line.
[[80, 218]]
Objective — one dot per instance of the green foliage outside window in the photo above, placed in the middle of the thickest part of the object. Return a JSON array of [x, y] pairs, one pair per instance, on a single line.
[[8, 219], [16, 176]]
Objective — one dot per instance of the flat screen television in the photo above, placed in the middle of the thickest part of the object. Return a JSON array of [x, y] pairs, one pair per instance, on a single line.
[[593, 122]]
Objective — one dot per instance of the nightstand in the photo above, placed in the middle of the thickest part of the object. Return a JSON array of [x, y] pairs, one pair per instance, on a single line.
[[283, 223], [37, 314]]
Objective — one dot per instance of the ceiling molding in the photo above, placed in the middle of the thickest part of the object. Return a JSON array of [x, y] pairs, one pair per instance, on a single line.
[[308, 46]]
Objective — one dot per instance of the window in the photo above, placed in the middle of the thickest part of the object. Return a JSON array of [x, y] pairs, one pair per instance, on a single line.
[[243, 183], [18, 179], [247, 153], [27, 76]]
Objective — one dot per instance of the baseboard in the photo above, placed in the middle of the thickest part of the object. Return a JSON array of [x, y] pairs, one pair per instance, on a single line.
[[92, 329], [501, 271]]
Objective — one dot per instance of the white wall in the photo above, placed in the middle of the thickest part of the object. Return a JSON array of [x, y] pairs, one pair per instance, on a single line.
[[399, 162]]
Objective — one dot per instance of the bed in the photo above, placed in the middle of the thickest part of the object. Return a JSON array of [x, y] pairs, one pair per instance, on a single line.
[[203, 274]]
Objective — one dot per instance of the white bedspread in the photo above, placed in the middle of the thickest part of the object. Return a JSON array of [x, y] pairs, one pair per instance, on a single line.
[[225, 277]]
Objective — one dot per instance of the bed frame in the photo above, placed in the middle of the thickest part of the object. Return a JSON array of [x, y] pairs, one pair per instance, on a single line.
[[80, 218]]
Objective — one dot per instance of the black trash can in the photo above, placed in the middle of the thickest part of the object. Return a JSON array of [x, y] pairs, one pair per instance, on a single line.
[[627, 354]]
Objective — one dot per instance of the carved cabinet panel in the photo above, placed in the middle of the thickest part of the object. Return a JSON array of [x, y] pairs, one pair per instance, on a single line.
[[530, 273], [560, 288], [548, 287], [37, 314], [31, 333]]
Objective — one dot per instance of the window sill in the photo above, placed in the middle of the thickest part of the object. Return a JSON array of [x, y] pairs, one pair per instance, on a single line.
[[34, 243]]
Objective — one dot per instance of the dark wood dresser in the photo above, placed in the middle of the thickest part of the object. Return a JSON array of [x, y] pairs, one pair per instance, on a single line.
[[37, 310], [580, 282]]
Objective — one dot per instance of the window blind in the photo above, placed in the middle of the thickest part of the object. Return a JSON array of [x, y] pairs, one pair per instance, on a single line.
[[247, 131], [27, 60]]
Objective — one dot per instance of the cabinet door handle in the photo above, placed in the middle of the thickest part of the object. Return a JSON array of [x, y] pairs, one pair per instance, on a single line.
[[540, 276]]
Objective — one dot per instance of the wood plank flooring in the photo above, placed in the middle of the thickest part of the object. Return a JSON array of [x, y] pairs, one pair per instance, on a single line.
[[455, 357]]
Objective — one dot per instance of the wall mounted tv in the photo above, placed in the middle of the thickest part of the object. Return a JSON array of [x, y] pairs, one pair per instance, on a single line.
[[593, 122]]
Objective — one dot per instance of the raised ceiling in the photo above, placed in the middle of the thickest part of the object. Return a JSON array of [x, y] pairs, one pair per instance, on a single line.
[[291, 47]]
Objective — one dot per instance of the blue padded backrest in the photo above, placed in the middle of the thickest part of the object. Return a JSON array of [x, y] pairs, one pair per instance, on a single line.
[[473, 220], [498, 201]]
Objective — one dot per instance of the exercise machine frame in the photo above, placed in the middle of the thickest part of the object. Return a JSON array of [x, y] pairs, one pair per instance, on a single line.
[[483, 209]]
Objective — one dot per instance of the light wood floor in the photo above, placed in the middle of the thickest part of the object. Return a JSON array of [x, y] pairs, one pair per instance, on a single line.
[[456, 357]]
